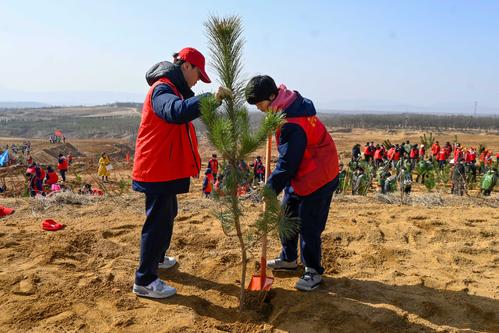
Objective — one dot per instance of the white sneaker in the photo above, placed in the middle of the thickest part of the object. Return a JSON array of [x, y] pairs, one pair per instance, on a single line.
[[309, 281], [279, 264], [167, 263], [156, 289]]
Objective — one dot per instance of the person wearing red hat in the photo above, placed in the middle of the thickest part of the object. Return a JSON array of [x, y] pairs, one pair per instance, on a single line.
[[166, 156]]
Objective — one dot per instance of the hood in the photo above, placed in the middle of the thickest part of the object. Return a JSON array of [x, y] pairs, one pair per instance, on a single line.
[[301, 107], [173, 73], [293, 104]]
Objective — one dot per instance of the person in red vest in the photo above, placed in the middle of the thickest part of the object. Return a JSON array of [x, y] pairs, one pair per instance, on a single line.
[[422, 152], [448, 149], [51, 177], [413, 155], [62, 166], [208, 182], [488, 159], [367, 152], [458, 153], [390, 152], [442, 158], [470, 162], [471, 155], [259, 169], [397, 152], [166, 156], [435, 149], [35, 180], [213, 165], [378, 155], [307, 170]]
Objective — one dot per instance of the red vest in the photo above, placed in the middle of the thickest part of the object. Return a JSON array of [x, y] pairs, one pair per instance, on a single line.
[[213, 164], [390, 153], [63, 165], [164, 151], [209, 183], [52, 178], [396, 155], [435, 149], [319, 165], [442, 155], [367, 151]]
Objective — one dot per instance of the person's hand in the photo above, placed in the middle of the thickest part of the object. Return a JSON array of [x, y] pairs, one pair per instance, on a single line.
[[223, 93]]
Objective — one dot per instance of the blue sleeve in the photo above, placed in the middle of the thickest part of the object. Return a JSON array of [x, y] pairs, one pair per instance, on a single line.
[[292, 144], [172, 108], [205, 183]]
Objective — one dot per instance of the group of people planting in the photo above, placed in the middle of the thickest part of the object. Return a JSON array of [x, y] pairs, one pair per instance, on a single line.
[[166, 156], [396, 167], [42, 180]]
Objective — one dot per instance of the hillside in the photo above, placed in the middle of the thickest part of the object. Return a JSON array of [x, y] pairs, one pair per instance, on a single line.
[[429, 265]]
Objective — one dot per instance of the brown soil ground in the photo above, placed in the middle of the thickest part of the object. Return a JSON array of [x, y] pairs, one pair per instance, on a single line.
[[428, 266]]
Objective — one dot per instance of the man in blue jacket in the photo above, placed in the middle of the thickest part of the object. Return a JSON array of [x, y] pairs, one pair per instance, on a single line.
[[307, 170], [166, 156]]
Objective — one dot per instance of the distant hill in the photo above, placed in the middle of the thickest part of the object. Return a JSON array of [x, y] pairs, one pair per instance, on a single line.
[[22, 105]]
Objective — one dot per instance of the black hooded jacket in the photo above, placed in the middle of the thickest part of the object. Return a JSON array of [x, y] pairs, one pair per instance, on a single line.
[[172, 109]]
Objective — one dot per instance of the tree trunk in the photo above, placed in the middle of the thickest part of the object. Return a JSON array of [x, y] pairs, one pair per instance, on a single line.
[[243, 253]]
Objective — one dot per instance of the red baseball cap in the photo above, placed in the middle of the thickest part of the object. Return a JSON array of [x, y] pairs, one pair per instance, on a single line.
[[195, 57]]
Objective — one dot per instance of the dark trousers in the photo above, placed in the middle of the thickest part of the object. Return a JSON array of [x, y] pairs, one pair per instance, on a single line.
[[63, 174], [161, 210], [313, 212]]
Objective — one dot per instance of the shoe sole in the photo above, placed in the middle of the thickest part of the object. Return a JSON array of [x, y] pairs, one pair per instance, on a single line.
[[155, 296], [166, 267], [315, 286], [283, 269]]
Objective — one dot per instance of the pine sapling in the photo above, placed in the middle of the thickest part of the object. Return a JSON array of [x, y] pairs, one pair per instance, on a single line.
[[228, 130]]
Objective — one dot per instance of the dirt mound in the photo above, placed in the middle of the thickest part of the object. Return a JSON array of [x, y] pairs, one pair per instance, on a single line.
[[49, 155]]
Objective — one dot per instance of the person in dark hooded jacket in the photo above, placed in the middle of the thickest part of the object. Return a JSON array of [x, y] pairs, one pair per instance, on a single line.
[[307, 170], [166, 156]]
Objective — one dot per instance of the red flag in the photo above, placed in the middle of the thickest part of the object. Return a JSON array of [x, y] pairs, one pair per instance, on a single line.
[[58, 133]]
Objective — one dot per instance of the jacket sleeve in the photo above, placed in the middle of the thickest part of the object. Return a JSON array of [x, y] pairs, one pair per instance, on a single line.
[[291, 147], [173, 109], [205, 183]]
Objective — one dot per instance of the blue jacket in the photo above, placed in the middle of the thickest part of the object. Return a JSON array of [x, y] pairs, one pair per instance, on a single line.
[[173, 109], [291, 147]]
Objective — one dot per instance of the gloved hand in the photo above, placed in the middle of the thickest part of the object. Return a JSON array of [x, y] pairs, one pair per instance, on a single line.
[[223, 93]]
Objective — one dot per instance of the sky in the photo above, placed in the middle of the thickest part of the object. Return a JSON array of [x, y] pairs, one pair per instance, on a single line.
[[404, 55]]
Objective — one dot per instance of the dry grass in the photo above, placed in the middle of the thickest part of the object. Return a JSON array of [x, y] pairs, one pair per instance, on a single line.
[[62, 198]]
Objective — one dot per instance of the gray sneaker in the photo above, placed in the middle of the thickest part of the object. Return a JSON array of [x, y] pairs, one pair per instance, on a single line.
[[156, 289], [167, 262], [280, 264], [309, 281]]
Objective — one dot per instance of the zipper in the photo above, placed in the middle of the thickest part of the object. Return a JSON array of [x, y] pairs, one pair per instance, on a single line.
[[192, 148]]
